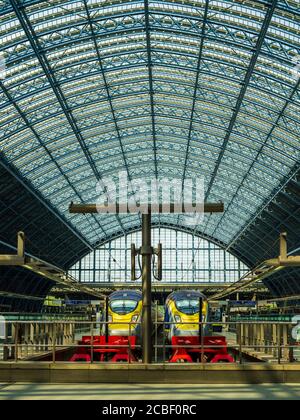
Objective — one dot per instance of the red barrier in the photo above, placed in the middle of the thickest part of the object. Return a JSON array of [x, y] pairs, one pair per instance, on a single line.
[[222, 358], [181, 350], [109, 348], [80, 357]]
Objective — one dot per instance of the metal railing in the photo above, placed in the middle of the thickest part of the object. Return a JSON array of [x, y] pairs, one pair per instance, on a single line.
[[247, 341], [57, 341]]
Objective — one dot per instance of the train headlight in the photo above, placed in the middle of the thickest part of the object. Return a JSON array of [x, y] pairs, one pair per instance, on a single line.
[[109, 318], [177, 318]]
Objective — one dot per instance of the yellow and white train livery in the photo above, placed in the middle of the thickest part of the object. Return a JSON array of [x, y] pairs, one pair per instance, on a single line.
[[124, 307], [185, 306]]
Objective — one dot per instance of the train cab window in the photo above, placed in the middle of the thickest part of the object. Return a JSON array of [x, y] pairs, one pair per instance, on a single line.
[[188, 306], [123, 306]]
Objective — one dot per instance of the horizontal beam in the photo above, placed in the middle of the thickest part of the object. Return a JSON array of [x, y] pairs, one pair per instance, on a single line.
[[148, 208], [257, 275], [208, 287], [279, 299], [12, 295], [263, 270], [286, 262], [11, 260], [59, 276], [44, 269]]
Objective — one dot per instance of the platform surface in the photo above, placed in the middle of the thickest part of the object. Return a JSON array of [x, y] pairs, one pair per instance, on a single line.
[[34, 391], [171, 373]]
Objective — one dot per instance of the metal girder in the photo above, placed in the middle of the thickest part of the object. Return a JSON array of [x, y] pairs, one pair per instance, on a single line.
[[265, 232], [260, 273], [151, 89], [35, 44], [43, 268], [263, 270], [196, 87], [245, 83], [293, 173], [108, 287], [6, 165], [176, 30], [149, 208], [263, 144], [48, 206], [173, 144], [173, 26], [172, 114], [282, 5], [229, 184], [245, 125], [253, 242], [170, 225], [108, 98], [116, 91], [179, 89], [12, 295]]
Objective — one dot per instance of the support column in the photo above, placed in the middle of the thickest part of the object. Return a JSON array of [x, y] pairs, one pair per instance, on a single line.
[[254, 335], [5, 348], [146, 288], [285, 341], [274, 339], [26, 339], [31, 338], [46, 337], [261, 337]]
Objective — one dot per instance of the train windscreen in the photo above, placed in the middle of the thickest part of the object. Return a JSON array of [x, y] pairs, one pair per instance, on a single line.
[[188, 306], [123, 306]]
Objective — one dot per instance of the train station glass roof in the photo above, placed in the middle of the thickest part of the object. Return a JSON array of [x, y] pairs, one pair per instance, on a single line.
[[185, 259], [172, 89]]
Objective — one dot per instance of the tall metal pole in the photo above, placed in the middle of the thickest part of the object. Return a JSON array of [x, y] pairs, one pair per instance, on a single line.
[[106, 319], [146, 250], [146, 288]]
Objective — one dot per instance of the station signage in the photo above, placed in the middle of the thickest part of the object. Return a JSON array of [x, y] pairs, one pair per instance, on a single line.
[[248, 303]]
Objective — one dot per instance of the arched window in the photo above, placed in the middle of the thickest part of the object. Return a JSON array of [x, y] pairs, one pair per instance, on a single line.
[[186, 258]]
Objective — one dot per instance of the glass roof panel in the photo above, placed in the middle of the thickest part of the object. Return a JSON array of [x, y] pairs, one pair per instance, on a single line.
[[209, 89]]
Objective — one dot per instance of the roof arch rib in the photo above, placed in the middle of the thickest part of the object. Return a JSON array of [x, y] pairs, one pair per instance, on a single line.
[[155, 89]]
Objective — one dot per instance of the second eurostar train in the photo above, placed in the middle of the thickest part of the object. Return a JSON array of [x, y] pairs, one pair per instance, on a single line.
[[185, 306]]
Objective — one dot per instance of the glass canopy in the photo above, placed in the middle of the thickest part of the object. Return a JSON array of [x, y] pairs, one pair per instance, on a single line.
[[171, 89], [186, 259]]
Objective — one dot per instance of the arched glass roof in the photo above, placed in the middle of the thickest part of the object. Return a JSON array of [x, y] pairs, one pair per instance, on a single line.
[[156, 88]]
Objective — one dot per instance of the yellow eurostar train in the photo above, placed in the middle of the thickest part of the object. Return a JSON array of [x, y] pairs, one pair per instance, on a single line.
[[124, 307], [184, 306]]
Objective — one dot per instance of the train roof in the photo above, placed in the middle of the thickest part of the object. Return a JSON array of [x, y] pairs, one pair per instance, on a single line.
[[128, 294], [183, 294]]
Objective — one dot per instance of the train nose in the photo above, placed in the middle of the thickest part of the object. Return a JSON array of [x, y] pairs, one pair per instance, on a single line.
[[186, 331], [124, 330]]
